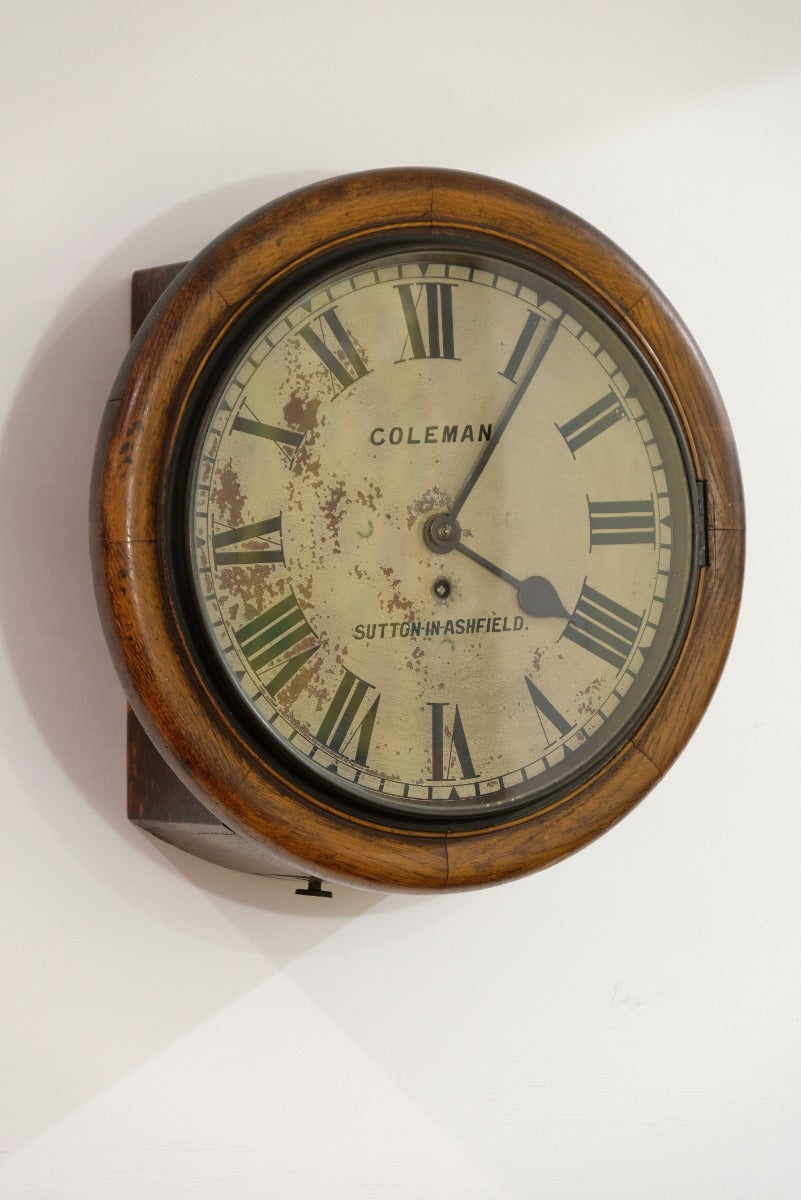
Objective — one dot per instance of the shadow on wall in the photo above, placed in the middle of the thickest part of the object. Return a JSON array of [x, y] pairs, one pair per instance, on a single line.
[[47, 605]]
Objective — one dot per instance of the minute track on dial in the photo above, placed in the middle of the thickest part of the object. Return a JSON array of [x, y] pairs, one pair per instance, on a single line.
[[370, 562]]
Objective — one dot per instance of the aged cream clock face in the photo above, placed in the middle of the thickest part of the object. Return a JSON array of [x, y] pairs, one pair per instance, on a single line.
[[440, 534]]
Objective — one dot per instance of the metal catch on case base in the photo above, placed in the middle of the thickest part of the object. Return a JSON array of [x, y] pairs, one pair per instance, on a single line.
[[315, 888]]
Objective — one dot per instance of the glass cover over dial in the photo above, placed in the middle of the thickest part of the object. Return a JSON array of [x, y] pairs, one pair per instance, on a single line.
[[440, 534]]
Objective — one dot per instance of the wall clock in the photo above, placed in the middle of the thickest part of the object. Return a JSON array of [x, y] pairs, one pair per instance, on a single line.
[[418, 536]]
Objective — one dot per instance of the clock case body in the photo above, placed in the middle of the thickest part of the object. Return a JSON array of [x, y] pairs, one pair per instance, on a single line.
[[194, 777]]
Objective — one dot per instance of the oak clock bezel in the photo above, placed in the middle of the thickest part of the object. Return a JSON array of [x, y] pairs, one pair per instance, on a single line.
[[173, 689]]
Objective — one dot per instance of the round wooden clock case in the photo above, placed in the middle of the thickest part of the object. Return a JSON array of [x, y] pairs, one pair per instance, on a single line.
[[418, 536]]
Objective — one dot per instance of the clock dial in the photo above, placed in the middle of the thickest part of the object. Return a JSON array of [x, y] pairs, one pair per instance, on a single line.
[[439, 533]]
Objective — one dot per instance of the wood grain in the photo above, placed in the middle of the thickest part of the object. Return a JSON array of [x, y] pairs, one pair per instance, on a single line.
[[184, 719]]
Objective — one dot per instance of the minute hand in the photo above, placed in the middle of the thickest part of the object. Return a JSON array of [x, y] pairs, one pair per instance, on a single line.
[[506, 417]]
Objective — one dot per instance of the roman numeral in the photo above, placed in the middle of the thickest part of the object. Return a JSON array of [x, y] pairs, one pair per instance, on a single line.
[[259, 531], [436, 339], [440, 769], [287, 440], [593, 420], [532, 324], [547, 713], [622, 522], [274, 633], [343, 361], [339, 725], [603, 627]]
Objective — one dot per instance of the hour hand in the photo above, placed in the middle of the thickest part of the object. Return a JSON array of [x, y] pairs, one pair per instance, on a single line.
[[539, 598], [536, 595]]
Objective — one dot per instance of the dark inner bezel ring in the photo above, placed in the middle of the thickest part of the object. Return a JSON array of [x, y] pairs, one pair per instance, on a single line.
[[311, 780]]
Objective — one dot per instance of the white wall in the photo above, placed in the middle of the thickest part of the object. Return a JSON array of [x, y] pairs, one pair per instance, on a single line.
[[623, 1025]]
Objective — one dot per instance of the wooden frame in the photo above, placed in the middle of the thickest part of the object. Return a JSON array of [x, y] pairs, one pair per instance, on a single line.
[[184, 719]]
